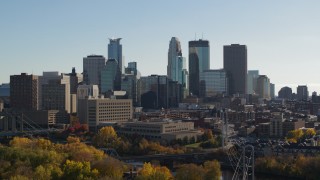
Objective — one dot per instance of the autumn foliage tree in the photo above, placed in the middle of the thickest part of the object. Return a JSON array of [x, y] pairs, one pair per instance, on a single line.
[[150, 172], [209, 170]]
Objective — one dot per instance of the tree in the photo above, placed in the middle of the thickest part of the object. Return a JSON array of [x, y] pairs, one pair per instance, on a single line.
[[110, 167], [78, 170], [190, 172], [207, 135], [107, 137], [150, 172], [213, 170]]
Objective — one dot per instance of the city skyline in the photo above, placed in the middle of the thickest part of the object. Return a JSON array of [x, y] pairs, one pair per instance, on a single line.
[[279, 35]]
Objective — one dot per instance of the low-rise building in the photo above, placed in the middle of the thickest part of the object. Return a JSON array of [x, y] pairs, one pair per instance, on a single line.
[[161, 130]]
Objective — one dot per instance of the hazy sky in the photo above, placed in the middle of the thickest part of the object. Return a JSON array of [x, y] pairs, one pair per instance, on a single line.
[[282, 37]]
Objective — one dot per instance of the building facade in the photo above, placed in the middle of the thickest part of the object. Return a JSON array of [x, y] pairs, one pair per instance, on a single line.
[[252, 81], [105, 110], [24, 92], [110, 76], [199, 60], [302, 93], [285, 93], [115, 52], [213, 82], [263, 87], [235, 64], [92, 67], [56, 94]]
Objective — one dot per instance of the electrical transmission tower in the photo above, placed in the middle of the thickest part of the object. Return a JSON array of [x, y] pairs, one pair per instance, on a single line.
[[241, 158]]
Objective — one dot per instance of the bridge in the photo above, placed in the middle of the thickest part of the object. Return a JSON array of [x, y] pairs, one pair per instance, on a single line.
[[17, 124]]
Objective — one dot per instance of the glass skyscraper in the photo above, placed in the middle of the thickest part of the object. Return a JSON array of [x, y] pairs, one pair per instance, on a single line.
[[199, 61], [213, 82], [110, 76], [115, 52]]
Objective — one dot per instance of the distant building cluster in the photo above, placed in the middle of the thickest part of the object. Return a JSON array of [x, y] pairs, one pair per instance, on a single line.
[[109, 92]]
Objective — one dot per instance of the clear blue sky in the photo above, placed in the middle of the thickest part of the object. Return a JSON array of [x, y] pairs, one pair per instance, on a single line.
[[282, 37]]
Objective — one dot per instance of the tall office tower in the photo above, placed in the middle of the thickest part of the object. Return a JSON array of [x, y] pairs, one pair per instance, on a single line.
[[213, 82], [44, 79], [24, 92], [302, 93], [235, 63], [272, 90], [92, 67], [129, 82], [84, 92], [285, 93], [153, 92], [110, 77], [199, 61], [132, 68], [115, 52], [75, 79], [263, 87], [56, 94], [252, 78], [314, 97], [173, 52]]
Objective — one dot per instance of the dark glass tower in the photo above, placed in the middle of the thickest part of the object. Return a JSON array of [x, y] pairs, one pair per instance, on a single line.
[[199, 61], [235, 64]]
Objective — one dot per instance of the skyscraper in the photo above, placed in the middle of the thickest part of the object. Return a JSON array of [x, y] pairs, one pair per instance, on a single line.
[[110, 76], [302, 93], [56, 94], [173, 52], [263, 87], [285, 93], [252, 81], [235, 63], [92, 66], [24, 92], [272, 90], [199, 61], [115, 52], [213, 82]]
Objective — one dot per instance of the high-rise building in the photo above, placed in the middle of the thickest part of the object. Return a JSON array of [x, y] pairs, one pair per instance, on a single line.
[[173, 52], [129, 82], [44, 79], [213, 82], [263, 87], [115, 52], [24, 92], [302, 93], [155, 92], [199, 61], [92, 67], [252, 81], [285, 93], [272, 90], [235, 63], [110, 77], [75, 79], [56, 94], [84, 92]]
